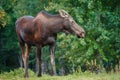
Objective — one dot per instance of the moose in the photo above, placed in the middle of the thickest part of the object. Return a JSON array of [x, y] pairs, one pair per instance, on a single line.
[[42, 30]]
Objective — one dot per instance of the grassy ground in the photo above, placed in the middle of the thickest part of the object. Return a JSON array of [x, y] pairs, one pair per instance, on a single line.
[[18, 75]]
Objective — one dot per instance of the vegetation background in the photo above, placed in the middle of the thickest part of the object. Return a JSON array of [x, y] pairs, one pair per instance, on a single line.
[[98, 52]]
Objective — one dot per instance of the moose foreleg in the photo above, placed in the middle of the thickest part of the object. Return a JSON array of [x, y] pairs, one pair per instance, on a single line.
[[52, 50]]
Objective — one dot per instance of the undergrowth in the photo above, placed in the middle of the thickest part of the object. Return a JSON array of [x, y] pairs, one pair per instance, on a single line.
[[17, 74]]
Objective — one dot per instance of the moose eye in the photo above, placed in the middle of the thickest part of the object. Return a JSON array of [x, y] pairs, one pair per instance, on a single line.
[[72, 22]]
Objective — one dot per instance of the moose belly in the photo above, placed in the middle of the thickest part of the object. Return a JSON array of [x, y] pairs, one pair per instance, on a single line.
[[43, 42], [33, 40], [49, 41]]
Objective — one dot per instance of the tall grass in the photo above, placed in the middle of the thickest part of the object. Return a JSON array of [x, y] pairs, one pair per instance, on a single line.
[[17, 74]]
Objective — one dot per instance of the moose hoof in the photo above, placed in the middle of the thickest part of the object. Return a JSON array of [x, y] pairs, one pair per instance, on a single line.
[[55, 74], [26, 76], [39, 75]]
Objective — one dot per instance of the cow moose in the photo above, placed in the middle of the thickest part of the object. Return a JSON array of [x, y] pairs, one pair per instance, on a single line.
[[42, 30]]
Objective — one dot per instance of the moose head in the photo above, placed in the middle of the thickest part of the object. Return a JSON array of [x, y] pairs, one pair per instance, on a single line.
[[70, 26]]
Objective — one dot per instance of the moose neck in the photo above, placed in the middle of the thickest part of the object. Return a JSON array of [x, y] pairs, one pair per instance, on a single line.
[[55, 25]]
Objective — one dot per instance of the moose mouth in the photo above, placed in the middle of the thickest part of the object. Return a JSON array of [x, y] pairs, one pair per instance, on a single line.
[[80, 35]]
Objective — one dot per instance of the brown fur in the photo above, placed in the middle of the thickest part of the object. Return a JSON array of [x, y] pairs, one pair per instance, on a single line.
[[42, 30]]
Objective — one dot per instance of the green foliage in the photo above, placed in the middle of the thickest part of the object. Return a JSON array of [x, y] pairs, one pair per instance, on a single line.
[[17, 74], [99, 18]]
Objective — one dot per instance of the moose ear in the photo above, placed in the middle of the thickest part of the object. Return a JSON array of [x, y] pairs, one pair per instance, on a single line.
[[63, 13]]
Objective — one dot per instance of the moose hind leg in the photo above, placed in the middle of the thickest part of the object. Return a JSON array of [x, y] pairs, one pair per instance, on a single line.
[[22, 46], [26, 59], [38, 54]]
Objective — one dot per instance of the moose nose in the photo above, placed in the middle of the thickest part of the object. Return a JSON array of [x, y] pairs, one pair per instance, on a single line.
[[82, 35]]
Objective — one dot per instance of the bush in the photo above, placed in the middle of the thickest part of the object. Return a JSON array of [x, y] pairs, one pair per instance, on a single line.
[[17, 73]]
